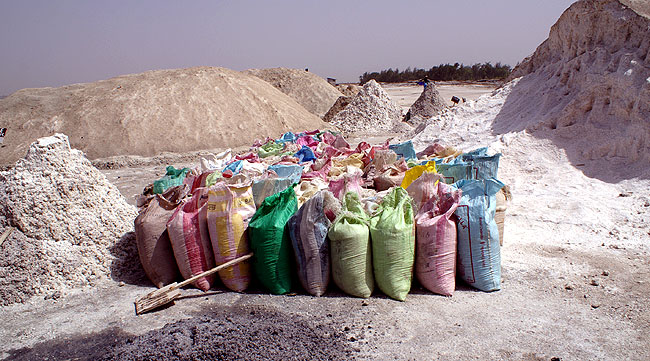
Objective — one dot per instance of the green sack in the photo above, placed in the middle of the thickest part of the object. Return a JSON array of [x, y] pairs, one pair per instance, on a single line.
[[174, 177], [350, 249], [392, 230], [269, 149], [270, 241]]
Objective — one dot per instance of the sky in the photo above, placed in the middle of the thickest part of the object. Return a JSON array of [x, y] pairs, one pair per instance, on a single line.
[[45, 43]]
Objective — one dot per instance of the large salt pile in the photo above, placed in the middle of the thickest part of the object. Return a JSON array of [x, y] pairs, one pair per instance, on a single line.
[[176, 110], [371, 110], [427, 105], [340, 104], [587, 88], [308, 89], [69, 221]]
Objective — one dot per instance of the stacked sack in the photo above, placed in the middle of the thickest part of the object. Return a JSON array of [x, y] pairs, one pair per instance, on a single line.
[[314, 210]]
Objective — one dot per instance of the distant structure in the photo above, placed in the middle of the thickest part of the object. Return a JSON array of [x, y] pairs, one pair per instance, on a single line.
[[331, 81]]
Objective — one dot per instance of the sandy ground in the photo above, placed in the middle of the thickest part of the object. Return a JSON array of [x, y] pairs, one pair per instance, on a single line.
[[575, 287]]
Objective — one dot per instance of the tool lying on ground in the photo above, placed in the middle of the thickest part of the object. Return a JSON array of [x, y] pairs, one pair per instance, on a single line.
[[169, 293], [6, 234]]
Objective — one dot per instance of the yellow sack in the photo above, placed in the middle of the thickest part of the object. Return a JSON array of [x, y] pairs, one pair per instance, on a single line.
[[415, 173], [340, 164]]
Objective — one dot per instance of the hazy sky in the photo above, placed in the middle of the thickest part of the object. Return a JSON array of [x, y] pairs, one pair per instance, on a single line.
[[53, 43]]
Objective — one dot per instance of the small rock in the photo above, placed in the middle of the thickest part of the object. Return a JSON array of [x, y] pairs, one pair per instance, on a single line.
[[121, 284], [568, 287], [346, 328], [556, 359], [595, 306], [625, 194], [605, 273], [352, 338], [365, 303], [585, 296], [594, 282]]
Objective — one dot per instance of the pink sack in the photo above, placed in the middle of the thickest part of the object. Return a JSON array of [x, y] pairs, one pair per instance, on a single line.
[[188, 232], [349, 182], [436, 240], [423, 189]]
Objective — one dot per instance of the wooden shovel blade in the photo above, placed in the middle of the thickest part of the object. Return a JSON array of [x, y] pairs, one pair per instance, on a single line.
[[157, 298]]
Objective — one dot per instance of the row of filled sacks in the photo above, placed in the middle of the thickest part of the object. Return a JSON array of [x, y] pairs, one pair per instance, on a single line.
[[210, 228]]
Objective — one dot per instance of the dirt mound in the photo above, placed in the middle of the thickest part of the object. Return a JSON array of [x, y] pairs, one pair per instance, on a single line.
[[308, 89], [144, 114], [371, 110], [340, 104], [69, 221], [349, 90], [587, 87], [426, 106]]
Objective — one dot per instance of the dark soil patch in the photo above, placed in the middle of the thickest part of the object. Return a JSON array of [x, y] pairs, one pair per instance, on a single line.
[[238, 333]]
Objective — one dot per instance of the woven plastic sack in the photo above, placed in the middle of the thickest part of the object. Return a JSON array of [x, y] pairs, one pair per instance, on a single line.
[[479, 253], [414, 173], [389, 178], [293, 172], [305, 154], [230, 207], [172, 178], [307, 188], [351, 181], [270, 242], [190, 238], [211, 162], [423, 189], [269, 149], [485, 167], [404, 150], [308, 232], [435, 235], [452, 173], [392, 230], [154, 247], [350, 249], [266, 187]]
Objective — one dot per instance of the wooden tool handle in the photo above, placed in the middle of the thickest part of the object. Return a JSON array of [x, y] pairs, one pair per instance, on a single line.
[[214, 270]]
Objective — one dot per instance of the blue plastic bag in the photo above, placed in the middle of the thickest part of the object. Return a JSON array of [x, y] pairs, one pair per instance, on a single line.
[[452, 173], [235, 167], [479, 253], [305, 154], [293, 172], [405, 150], [287, 137]]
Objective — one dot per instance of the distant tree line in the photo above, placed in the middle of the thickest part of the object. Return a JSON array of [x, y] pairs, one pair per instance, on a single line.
[[441, 72]]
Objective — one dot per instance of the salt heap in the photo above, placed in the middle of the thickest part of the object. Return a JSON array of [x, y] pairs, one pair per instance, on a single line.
[[427, 105], [371, 110], [339, 105], [587, 88], [69, 222]]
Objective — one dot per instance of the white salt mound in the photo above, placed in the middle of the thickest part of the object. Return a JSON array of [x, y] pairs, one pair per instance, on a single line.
[[308, 89], [428, 104], [69, 222], [586, 87], [371, 110]]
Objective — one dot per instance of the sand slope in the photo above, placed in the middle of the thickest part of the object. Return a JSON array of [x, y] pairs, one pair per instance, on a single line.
[[165, 110], [587, 88], [308, 89]]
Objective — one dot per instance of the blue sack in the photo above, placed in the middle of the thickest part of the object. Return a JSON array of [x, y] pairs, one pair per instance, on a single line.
[[305, 154], [287, 137], [485, 167], [405, 150], [479, 253], [292, 172], [452, 173], [235, 167]]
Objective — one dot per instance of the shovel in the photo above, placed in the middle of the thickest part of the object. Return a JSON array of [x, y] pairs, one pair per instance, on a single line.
[[169, 293]]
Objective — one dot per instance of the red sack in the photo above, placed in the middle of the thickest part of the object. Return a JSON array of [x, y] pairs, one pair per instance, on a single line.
[[190, 238]]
